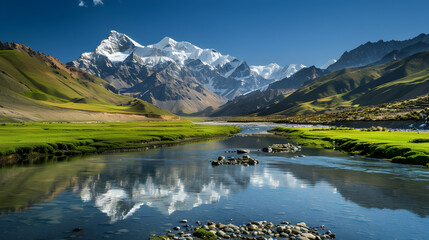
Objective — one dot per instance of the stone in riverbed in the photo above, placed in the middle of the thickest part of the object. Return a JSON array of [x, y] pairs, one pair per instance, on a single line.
[[258, 223], [267, 149], [242, 151], [221, 233], [252, 227], [221, 226], [183, 221], [284, 235], [212, 227], [170, 235], [228, 229], [301, 238], [301, 224], [177, 228], [309, 236]]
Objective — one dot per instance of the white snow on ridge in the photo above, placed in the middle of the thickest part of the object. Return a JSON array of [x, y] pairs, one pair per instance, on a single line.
[[118, 48], [275, 72], [328, 63], [266, 71], [292, 69]]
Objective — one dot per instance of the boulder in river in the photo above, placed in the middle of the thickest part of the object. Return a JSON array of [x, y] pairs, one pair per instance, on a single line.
[[243, 151]]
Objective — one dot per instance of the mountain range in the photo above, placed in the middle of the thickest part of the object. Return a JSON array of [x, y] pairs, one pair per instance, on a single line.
[[189, 80], [351, 87], [362, 59], [177, 76], [380, 52]]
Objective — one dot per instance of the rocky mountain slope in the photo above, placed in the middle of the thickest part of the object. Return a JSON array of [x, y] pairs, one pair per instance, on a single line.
[[36, 87], [351, 87], [299, 79], [258, 100], [380, 52], [158, 72]]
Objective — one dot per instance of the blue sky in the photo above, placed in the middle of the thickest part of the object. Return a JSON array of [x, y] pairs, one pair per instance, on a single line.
[[258, 31]]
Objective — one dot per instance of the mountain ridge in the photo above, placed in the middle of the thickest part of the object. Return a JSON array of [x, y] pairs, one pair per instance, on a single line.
[[126, 64], [372, 52], [36, 87], [398, 80]]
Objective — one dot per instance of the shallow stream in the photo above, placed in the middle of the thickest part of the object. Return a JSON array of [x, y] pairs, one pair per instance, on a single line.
[[131, 195]]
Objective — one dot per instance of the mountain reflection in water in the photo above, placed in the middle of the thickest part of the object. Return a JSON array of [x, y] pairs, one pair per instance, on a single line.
[[172, 187], [181, 178]]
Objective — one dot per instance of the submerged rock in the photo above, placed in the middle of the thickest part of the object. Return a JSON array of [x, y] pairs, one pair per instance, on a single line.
[[243, 151], [246, 160], [288, 147]]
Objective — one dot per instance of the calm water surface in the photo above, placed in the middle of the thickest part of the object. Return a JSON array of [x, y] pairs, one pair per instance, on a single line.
[[131, 195]]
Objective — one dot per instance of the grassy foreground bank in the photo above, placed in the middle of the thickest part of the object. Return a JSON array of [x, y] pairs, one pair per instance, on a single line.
[[399, 147], [21, 141]]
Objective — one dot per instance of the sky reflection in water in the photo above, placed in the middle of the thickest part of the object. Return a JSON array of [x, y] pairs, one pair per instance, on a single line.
[[141, 192]]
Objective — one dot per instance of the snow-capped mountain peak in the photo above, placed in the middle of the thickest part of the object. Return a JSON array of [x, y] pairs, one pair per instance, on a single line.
[[289, 70], [204, 77], [117, 47], [266, 71], [275, 72], [164, 43]]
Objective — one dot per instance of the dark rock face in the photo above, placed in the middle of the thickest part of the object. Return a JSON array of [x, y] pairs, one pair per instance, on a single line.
[[300, 78], [258, 100], [250, 103], [372, 52], [403, 53]]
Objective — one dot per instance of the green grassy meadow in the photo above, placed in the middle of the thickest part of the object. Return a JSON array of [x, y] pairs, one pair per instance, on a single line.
[[59, 139], [352, 87], [399, 147], [39, 82]]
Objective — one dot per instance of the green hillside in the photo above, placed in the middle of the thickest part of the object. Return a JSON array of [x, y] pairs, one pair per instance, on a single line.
[[33, 82], [353, 87]]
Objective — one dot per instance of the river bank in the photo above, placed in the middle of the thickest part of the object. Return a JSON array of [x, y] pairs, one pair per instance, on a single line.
[[135, 194], [29, 142], [395, 146]]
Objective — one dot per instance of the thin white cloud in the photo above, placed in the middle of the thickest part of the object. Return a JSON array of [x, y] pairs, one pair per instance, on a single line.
[[82, 3], [98, 2]]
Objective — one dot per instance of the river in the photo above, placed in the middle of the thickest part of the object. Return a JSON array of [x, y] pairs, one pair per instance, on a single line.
[[132, 195]]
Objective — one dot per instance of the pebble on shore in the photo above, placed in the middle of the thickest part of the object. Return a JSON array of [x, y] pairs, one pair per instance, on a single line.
[[255, 230]]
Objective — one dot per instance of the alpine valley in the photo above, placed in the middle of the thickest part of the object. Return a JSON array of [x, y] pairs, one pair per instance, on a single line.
[[177, 76], [373, 73]]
